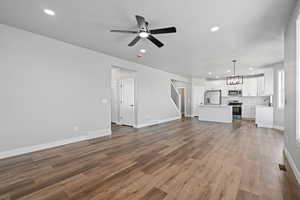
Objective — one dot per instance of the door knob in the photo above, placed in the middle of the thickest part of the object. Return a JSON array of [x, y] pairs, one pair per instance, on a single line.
[[131, 105]]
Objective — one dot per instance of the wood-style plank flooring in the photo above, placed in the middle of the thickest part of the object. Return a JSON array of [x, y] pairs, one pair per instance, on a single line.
[[184, 160]]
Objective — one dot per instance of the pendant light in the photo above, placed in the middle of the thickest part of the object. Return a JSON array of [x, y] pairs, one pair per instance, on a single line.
[[234, 79]]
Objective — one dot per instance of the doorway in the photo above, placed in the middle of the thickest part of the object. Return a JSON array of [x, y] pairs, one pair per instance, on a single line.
[[123, 101], [182, 92]]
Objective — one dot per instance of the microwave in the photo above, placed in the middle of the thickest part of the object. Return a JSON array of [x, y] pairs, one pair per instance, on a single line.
[[234, 92]]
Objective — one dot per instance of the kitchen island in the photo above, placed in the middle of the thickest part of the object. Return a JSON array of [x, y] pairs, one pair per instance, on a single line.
[[215, 113]]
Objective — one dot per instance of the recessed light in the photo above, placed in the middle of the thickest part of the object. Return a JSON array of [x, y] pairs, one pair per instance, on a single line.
[[214, 29], [228, 71], [143, 50], [251, 68], [143, 34], [49, 12], [209, 73]]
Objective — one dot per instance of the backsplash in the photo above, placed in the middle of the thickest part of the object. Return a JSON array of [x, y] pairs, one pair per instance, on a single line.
[[247, 100]]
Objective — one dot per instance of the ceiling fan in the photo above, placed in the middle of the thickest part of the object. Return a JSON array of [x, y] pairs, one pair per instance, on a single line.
[[144, 32]]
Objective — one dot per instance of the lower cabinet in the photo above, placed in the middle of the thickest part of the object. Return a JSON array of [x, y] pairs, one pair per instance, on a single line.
[[264, 116], [248, 112]]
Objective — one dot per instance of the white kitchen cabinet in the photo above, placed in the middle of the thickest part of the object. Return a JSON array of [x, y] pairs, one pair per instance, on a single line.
[[269, 82], [264, 116], [215, 85], [215, 113], [250, 87], [260, 86]]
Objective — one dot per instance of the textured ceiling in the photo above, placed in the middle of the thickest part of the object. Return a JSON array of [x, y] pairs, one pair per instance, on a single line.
[[250, 31]]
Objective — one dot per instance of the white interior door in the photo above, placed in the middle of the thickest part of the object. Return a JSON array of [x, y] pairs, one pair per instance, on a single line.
[[127, 102]]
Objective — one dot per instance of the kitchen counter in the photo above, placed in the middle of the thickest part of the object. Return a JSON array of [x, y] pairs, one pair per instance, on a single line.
[[215, 113]]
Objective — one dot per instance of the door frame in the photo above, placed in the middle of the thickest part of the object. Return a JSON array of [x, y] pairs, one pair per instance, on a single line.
[[118, 96]]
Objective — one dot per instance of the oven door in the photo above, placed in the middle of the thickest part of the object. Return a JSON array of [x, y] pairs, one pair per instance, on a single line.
[[237, 112]]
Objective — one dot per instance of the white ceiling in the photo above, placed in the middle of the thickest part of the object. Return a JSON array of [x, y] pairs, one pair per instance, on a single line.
[[250, 31]]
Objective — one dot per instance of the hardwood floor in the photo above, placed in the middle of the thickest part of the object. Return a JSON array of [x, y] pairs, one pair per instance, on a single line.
[[184, 160]]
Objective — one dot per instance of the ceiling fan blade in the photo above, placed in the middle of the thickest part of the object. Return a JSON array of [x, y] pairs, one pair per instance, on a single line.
[[134, 41], [141, 22], [155, 41], [163, 30], [123, 31]]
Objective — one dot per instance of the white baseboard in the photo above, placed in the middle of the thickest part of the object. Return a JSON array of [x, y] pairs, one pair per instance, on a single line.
[[30, 149], [292, 164], [189, 115], [98, 133], [281, 128], [158, 122], [264, 126]]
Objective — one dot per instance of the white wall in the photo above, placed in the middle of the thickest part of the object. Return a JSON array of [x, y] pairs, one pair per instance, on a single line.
[[115, 76], [198, 90], [278, 113], [290, 85], [48, 87]]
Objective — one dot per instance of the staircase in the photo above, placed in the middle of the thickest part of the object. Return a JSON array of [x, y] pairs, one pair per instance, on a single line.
[[175, 97]]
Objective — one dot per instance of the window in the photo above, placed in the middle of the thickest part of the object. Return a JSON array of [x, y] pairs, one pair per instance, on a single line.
[[281, 94]]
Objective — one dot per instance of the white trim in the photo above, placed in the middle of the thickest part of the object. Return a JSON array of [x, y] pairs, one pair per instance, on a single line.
[[280, 89], [157, 122], [281, 128], [190, 115], [264, 126], [98, 133], [298, 79], [30, 149], [292, 164]]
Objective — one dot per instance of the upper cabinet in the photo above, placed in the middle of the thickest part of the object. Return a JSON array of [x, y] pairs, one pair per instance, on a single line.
[[250, 87], [255, 86]]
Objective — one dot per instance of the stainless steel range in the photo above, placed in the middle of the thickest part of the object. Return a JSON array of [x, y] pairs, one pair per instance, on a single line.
[[236, 109]]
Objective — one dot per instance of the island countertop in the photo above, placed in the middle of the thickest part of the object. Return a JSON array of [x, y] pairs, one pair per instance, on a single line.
[[215, 113]]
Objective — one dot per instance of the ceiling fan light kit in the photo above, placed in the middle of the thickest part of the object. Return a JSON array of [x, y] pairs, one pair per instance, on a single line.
[[234, 79], [144, 32]]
